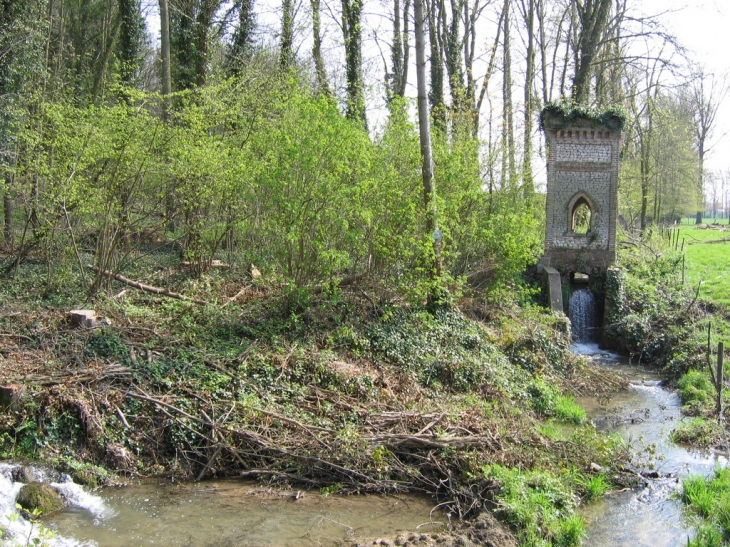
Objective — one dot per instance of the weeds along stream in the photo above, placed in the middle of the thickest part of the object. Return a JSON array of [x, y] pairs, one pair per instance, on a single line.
[[644, 415]]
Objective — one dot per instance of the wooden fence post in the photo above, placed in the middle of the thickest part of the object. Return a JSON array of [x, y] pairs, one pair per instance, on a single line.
[[719, 377]]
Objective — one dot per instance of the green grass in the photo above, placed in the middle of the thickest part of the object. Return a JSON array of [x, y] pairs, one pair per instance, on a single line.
[[540, 505], [698, 432], [710, 499], [690, 221], [707, 262], [696, 386]]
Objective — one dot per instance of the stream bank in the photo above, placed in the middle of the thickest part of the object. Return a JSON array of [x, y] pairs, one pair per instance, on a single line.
[[644, 415]]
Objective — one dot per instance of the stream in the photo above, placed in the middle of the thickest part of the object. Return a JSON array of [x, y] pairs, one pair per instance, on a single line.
[[216, 514], [644, 415], [237, 513]]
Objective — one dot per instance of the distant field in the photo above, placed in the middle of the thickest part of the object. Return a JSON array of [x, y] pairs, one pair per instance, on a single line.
[[708, 262]]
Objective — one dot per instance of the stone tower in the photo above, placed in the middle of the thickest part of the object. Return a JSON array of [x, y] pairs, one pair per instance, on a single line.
[[582, 197], [582, 190]]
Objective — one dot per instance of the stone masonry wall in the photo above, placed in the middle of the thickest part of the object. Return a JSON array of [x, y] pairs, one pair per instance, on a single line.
[[583, 160]]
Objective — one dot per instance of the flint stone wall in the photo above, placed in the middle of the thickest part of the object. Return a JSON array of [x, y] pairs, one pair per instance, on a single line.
[[583, 162]]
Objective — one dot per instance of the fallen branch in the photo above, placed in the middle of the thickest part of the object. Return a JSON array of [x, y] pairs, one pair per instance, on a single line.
[[94, 374], [147, 288], [430, 442], [255, 473], [17, 336], [239, 293]]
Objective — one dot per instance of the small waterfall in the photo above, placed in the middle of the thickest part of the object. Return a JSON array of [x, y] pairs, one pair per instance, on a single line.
[[582, 314], [19, 531]]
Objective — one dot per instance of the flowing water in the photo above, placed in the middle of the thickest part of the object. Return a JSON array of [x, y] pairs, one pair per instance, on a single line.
[[582, 314], [645, 415], [215, 513]]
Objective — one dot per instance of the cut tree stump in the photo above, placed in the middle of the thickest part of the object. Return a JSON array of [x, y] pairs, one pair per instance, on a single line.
[[88, 319]]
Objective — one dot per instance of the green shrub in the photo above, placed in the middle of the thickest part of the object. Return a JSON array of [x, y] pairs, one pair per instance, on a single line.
[[567, 410], [594, 486]]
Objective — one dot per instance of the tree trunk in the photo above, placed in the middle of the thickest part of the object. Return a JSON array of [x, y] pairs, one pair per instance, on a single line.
[[593, 19], [286, 58], [436, 97], [243, 37], [528, 188], [352, 15], [424, 129], [453, 50], [397, 79], [322, 84], [546, 86], [490, 70], [352, 25], [203, 22], [165, 52], [701, 158], [8, 213], [131, 40], [111, 30], [508, 144]]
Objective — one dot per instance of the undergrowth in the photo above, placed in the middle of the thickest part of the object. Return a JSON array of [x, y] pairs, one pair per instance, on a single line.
[[339, 391]]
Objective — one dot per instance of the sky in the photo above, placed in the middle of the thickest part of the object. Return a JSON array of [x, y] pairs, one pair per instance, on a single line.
[[703, 27]]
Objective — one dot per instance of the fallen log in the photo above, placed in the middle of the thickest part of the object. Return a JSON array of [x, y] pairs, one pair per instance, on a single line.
[[147, 288]]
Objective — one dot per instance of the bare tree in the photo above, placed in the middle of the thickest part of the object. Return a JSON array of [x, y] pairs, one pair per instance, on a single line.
[[508, 136], [593, 17], [166, 77], [705, 93], [528, 14], [490, 67]]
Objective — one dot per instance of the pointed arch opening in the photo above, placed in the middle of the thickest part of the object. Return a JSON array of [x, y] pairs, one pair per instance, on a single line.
[[581, 214]]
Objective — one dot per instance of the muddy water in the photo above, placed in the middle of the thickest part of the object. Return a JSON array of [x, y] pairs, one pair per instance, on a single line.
[[232, 513], [645, 415]]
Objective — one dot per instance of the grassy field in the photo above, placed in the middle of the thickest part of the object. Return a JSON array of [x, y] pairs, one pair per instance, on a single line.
[[705, 261]]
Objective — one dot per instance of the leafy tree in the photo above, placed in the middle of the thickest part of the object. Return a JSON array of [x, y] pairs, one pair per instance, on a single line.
[[286, 56], [190, 27], [21, 26]]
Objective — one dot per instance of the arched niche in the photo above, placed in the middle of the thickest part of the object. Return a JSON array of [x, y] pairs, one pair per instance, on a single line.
[[582, 212]]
